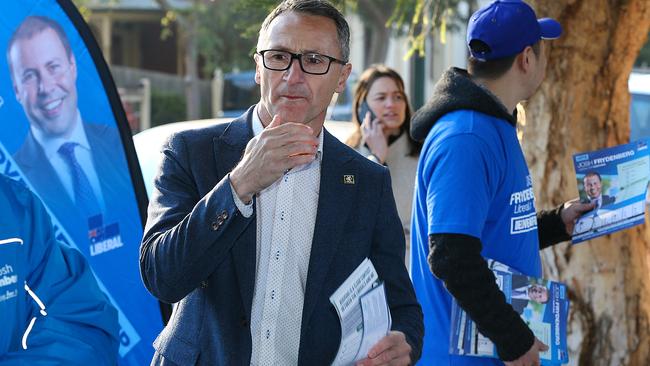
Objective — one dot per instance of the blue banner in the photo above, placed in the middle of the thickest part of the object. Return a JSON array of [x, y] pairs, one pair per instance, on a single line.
[[65, 135]]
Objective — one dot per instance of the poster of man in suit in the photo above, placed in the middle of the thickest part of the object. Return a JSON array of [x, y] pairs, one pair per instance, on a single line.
[[61, 137], [524, 291]]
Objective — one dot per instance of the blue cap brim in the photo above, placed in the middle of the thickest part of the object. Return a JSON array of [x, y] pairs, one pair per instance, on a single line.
[[550, 28]]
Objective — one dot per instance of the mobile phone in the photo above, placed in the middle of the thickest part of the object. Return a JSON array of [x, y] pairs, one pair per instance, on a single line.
[[363, 109]]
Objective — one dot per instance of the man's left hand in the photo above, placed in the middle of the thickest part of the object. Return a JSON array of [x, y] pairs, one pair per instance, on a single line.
[[391, 350], [572, 210]]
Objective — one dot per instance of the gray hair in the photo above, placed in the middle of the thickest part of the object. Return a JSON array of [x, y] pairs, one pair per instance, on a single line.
[[316, 8]]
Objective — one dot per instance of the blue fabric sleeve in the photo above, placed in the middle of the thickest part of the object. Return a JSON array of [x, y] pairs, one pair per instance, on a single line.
[[460, 174], [187, 236], [80, 326]]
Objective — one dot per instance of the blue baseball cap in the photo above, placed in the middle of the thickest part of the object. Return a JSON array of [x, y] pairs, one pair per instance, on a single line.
[[507, 27]]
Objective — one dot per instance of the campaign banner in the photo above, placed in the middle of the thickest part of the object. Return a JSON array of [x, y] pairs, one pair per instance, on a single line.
[[66, 137], [615, 179], [542, 304]]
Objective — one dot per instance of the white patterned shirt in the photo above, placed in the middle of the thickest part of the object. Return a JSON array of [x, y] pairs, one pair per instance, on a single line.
[[286, 215]]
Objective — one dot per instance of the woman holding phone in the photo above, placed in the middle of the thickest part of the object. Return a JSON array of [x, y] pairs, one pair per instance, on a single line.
[[383, 118]]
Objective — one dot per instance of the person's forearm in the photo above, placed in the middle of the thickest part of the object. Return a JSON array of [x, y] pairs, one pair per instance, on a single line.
[[456, 260], [183, 248], [550, 227], [188, 233]]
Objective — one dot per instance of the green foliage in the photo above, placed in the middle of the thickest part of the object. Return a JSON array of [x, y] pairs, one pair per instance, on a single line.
[[416, 18], [254, 12], [227, 29], [225, 40], [422, 18], [82, 6], [166, 108]]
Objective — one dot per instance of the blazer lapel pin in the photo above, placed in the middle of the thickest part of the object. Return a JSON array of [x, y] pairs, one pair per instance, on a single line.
[[348, 179]]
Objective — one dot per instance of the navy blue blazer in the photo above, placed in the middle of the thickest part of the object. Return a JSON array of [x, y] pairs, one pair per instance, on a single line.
[[198, 251]]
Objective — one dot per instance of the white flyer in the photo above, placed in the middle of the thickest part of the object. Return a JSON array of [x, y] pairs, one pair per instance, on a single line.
[[361, 305]]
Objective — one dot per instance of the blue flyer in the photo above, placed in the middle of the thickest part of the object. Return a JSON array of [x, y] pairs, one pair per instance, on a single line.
[[542, 304], [615, 179]]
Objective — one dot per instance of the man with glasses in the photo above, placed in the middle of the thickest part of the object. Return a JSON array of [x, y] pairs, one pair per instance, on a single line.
[[66, 160], [255, 223]]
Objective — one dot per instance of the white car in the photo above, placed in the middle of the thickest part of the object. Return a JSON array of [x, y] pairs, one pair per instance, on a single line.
[[148, 142]]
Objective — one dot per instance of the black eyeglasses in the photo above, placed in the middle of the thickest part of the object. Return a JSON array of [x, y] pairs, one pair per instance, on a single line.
[[311, 63]]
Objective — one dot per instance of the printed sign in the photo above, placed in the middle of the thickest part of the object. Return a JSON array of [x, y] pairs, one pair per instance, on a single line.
[[615, 180], [66, 137]]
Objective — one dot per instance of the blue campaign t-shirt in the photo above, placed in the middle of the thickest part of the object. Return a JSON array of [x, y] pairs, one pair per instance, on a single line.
[[472, 179]]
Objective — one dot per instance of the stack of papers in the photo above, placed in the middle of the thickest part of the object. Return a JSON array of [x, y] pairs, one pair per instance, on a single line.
[[543, 305], [363, 312]]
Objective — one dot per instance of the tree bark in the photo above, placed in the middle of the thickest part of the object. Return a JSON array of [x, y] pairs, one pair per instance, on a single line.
[[378, 45], [192, 91], [583, 105]]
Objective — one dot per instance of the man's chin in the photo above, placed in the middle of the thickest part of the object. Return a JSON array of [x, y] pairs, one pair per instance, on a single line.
[[292, 115], [55, 128]]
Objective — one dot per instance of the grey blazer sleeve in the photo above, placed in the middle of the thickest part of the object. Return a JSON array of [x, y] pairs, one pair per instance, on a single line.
[[187, 235]]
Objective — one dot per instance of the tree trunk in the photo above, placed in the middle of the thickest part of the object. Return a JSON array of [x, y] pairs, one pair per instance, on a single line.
[[192, 91], [584, 105], [375, 16], [377, 45], [187, 26]]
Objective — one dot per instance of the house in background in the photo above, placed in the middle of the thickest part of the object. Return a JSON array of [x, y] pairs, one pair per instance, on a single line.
[[129, 34], [148, 70]]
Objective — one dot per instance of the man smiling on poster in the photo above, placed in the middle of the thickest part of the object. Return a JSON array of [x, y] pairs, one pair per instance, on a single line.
[[593, 187], [69, 162]]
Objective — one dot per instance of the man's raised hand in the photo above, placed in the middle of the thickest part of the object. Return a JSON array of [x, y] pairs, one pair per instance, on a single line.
[[280, 147]]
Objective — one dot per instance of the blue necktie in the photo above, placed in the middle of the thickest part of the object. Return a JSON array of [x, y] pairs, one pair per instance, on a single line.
[[84, 196], [597, 204]]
